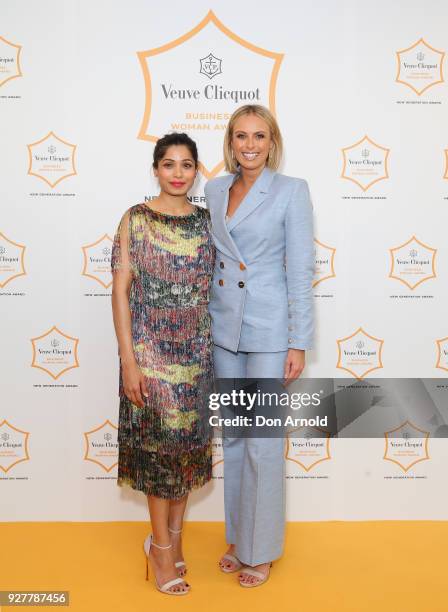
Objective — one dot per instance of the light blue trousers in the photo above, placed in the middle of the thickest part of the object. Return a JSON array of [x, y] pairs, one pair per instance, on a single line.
[[254, 478]]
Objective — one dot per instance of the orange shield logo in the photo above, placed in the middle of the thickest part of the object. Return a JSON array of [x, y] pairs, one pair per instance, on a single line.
[[365, 163], [102, 446], [97, 261], [200, 97], [51, 159], [412, 263], [406, 445], [9, 61], [54, 352], [359, 353], [12, 262], [442, 354], [420, 66], [13, 446], [324, 267], [311, 448]]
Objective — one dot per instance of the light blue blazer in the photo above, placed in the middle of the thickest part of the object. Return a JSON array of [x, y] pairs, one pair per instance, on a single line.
[[261, 298]]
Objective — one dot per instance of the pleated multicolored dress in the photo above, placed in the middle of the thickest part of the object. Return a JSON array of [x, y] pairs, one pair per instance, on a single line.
[[165, 448]]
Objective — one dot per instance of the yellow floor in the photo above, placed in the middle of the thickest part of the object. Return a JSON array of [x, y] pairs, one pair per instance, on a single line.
[[332, 567]]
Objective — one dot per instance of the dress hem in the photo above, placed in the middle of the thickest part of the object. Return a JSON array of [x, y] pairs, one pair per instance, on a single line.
[[122, 482]]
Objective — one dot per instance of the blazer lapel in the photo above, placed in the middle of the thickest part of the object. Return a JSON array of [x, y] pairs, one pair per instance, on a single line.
[[220, 228], [255, 196]]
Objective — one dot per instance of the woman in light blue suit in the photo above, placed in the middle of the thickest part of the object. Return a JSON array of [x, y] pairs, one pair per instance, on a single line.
[[262, 320]]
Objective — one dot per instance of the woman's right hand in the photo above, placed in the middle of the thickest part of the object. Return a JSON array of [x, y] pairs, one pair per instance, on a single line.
[[134, 384]]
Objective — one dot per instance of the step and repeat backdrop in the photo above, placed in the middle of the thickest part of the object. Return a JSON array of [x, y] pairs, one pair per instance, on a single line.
[[86, 89]]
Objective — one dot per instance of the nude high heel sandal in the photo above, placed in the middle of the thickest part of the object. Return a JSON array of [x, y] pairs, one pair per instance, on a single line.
[[262, 578], [164, 588], [236, 563], [181, 565]]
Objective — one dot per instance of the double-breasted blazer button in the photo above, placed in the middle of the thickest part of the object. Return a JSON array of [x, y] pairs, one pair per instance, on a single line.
[[221, 264], [241, 284], [221, 282], [242, 266]]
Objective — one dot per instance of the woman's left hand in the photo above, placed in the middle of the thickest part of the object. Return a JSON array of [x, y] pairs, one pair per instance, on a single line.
[[294, 364]]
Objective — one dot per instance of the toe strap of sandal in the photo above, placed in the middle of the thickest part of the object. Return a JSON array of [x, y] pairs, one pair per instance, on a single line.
[[254, 573], [179, 564], [231, 558], [170, 583]]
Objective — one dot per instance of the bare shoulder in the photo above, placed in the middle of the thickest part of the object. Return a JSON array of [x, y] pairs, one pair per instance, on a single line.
[[135, 208]]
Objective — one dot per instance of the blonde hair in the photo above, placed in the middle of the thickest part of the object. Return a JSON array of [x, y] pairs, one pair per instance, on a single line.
[[275, 154]]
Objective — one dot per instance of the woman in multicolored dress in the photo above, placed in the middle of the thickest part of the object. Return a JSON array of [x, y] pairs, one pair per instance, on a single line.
[[162, 262]]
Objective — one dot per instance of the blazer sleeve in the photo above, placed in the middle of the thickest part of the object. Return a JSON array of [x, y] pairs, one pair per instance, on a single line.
[[300, 262]]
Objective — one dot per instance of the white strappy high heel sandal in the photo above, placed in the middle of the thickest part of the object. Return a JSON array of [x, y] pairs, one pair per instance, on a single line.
[[181, 565], [164, 588]]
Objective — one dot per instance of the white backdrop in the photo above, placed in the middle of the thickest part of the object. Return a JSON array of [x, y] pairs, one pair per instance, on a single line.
[[80, 106]]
